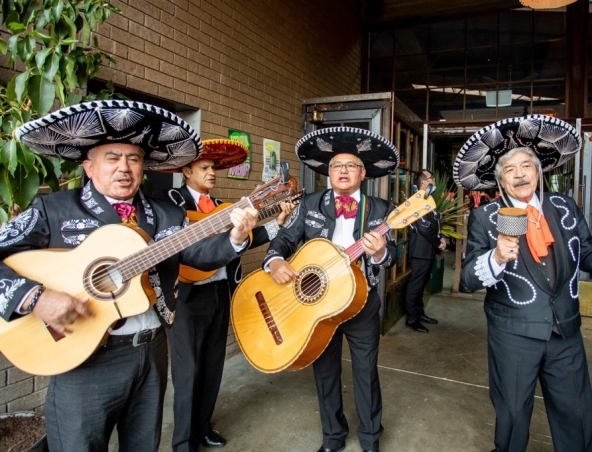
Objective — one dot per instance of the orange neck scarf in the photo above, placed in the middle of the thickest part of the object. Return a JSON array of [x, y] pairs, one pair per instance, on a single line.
[[205, 204], [538, 236]]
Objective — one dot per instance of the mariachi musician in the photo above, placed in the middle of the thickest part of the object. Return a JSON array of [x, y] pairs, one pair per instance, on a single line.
[[343, 215], [123, 383], [198, 337], [531, 304]]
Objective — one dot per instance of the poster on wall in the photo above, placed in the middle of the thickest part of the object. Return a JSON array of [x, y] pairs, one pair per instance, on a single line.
[[240, 171], [271, 159]]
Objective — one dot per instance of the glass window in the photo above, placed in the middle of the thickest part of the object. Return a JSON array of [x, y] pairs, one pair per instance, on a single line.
[[382, 75], [410, 71], [482, 31], [411, 40], [415, 100], [381, 43], [444, 100], [447, 35], [549, 24], [515, 64], [549, 96], [548, 59], [482, 66], [515, 26]]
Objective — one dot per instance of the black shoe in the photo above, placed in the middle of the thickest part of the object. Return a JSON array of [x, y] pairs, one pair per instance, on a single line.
[[326, 449], [425, 319], [214, 439], [416, 326]]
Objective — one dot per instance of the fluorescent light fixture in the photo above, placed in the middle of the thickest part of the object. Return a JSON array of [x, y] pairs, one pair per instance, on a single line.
[[501, 98]]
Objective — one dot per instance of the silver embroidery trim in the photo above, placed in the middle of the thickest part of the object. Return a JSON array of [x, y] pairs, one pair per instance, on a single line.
[[166, 233], [272, 228], [19, 227], [160, 304], [8, 288], [313, 224]]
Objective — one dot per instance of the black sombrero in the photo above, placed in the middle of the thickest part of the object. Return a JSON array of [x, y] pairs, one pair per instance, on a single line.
[[316, 149], [224, 152], [553, 141], [167, 140]]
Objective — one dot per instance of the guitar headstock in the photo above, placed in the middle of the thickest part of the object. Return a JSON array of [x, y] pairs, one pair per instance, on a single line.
[[274, 191], [411, 210]]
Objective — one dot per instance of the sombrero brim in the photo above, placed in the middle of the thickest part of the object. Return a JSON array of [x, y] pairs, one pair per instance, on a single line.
[[166, 139], [316, 149], [224, 152], [553, 141]]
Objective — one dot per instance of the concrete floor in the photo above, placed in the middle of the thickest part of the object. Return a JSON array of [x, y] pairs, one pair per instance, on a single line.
[[434, 388]]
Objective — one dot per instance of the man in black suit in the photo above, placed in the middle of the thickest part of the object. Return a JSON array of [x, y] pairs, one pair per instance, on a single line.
[[343, 215], [424, 241], [122, 384], [198, 337], [531, 304]]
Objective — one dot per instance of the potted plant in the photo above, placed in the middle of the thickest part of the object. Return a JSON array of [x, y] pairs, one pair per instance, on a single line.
[[22, 431]]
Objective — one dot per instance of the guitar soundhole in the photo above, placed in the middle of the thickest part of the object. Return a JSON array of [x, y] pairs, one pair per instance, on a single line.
[[103, 280], [310, 285]]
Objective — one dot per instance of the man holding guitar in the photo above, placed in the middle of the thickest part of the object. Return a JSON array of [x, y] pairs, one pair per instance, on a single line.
[[123, 382], [198, 337], [343, 215]]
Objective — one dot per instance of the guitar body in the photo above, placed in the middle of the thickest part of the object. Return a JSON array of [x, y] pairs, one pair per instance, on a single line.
[[65, 271], [287, 326]]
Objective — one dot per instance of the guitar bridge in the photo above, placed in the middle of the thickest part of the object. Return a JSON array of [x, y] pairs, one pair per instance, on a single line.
[[271, 326]]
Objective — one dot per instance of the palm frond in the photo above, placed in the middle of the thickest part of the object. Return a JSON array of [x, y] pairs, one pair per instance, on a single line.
[[452, 213]]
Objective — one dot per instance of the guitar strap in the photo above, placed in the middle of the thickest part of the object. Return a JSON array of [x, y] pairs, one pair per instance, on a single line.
[[361, 216]]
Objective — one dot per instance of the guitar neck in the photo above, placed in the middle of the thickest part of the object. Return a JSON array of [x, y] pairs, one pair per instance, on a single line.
[[356, 250], [148, 257]]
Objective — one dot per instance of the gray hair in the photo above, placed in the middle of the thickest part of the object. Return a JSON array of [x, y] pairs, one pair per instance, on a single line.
[[507, 156]]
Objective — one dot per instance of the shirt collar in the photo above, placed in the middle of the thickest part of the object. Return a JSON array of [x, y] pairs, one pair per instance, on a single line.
[[356, 195], [115, 201], [195, 194], [534, 202]]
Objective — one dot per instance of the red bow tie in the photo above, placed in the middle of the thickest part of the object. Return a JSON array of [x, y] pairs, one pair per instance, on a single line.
[[346, 206]]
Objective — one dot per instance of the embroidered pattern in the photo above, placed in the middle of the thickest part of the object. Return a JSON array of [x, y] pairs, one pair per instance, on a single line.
[[272, 228], [313, 224], [166, 233], [574, 289], [483, 271], [292, 218], [160, 304], [555, 200], [317, 215], [19, 227], [325, 233], [147, 208], [522, 278], [8, 288], [372, 224]]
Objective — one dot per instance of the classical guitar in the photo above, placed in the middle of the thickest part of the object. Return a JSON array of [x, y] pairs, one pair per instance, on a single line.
[[189, 274], [287, 326], [111, 268]]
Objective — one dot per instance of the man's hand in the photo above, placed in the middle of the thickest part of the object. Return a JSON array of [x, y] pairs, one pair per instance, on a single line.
[[58, 309], [287, 208], [506, 249], [442, 244], [243, 221], [281, 271], [374, 245]]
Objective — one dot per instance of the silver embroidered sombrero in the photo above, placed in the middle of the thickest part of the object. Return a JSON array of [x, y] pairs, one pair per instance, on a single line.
[[316, 149], [554, 142], [167, 140]]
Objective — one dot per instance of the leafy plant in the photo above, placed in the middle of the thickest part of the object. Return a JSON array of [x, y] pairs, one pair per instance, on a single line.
[[50, 49], [447, 203]]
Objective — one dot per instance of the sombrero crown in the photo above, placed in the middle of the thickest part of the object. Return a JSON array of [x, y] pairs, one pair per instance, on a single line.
[[166, 139], [316, 149], [554, 142]]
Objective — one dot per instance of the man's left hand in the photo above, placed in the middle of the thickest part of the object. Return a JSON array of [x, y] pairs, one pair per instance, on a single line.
[[442, 244], [374, 245], [243, 221], [287, 208]]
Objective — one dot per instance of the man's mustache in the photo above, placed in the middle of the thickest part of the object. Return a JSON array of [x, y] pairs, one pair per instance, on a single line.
[[520, 183]]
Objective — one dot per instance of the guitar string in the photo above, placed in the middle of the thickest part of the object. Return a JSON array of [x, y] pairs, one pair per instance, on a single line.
[[286, 309]]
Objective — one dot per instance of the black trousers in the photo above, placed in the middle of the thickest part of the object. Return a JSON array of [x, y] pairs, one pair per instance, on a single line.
[[421, 269], [198, 348], [515, 365], [363, 334]]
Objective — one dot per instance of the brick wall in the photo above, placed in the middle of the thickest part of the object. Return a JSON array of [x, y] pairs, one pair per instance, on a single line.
[[247, 64]]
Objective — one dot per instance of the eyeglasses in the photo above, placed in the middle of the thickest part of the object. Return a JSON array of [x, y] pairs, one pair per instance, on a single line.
[[350, 166]]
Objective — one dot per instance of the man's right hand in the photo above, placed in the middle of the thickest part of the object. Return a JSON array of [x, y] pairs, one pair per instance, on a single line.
[[58, 309], [281, 271], [506, 250]]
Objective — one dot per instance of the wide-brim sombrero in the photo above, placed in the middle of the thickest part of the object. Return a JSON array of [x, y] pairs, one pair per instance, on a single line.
[[166, 139], [223, 152], [316, 149], [554, 142]]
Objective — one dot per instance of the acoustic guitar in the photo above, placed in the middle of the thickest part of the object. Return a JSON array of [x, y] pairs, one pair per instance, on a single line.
[[287, 326], [111, 268], [189, 274]]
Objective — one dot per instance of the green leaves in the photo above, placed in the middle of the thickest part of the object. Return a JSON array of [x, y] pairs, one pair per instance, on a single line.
[[50, 39]]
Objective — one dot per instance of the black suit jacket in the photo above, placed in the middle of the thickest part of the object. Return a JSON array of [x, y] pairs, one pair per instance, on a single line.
[[424, 236], [521, 300], [64, 219], [315, 217], [261, 235]]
